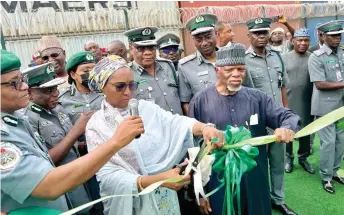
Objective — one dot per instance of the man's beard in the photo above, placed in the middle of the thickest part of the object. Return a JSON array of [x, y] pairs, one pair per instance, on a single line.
[[233, 89]]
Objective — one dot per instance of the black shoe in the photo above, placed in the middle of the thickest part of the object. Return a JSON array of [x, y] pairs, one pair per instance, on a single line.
[[284, 209], [288, 168], [338, 179], [307, 166], [328, 187]]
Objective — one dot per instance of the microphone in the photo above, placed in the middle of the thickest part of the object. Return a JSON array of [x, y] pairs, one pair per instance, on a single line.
[[134, 110]]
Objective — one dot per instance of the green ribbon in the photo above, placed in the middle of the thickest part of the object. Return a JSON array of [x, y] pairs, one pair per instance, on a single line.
[[35, 210], [232, 164]]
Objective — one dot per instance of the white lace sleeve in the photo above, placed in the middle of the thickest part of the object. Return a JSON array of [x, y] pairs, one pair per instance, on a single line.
[[93, 139]]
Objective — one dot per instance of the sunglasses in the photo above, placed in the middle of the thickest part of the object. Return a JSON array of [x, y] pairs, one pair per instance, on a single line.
[[18, 83], [53, 55], [167, 50], [121, 86]]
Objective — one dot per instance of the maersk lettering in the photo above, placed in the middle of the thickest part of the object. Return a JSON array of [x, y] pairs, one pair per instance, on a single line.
[[12, 6]]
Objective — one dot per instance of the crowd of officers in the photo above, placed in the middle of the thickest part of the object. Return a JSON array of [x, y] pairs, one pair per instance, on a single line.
[[281, 65]]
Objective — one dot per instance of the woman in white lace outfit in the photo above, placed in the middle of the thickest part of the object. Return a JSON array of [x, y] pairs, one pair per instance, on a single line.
[[147, 159]]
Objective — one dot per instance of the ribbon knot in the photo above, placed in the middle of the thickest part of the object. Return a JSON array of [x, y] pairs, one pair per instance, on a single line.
[[230, 165]]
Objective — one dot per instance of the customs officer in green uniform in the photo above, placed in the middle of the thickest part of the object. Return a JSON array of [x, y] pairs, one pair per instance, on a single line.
[[157, 77], [78, 99], [265, 71], [197, 71], [28, 174], [326, 67], [168, 46], [25, 162], [50, 120]]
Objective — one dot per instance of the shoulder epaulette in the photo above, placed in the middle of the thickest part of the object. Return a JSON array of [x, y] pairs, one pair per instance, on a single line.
[[318, 52], [187, 58], [64, 90], [163, 59]]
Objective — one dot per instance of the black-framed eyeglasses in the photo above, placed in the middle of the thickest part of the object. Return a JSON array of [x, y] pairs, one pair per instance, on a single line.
[[143, 48], [122, 86], [53, 55], [18, 83], [167, 50]]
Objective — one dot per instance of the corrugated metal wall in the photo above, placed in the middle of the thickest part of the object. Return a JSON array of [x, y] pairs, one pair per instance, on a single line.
[[46, 20], [72, 44], [22, 30]]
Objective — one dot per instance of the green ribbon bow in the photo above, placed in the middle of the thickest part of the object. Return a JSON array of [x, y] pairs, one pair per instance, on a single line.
[[232, 164]]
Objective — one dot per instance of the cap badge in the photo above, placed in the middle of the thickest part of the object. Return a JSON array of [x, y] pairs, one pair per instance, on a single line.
[[89, 57], [50, 69], [146, 32], [199, 19], [258, 21]]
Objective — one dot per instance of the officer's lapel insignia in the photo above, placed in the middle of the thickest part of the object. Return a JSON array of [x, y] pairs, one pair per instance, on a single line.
[[50, 68], [258, 21], [146, 32], [199, 19], [89, 57], [10, 120], [4, 128], [35, 108], [10, 156]]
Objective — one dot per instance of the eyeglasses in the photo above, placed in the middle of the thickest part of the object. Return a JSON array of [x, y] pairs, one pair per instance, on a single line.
[[53, 55], [169, 49], [18, 83], [143, 48], [121, 86]]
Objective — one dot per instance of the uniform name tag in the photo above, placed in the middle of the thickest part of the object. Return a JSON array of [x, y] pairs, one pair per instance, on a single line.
[[330, 61], [202, 73]]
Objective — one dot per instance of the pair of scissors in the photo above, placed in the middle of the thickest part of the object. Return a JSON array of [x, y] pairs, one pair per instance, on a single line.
[[203, 151]]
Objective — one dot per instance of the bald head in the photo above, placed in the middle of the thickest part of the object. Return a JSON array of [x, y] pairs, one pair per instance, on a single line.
[[224, 33], [117, 47]]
